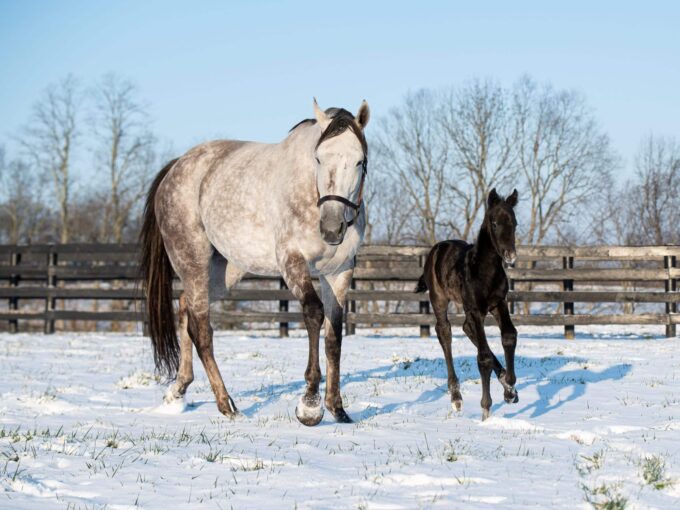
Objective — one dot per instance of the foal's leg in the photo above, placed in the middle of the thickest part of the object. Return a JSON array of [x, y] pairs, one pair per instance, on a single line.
[[309, 410], [443, 328], [185, 374], [333, 291], [509, 340], [474, 329]]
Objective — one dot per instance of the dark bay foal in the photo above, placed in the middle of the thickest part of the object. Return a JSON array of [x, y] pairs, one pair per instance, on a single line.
[[473, 275]]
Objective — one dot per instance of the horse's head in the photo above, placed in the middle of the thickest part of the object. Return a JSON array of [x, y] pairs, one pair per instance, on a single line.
[[501, 223], [341, 165]]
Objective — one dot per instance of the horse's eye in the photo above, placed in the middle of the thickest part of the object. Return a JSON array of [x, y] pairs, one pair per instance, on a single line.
[[360, 163], [494, 225], [317, 160]]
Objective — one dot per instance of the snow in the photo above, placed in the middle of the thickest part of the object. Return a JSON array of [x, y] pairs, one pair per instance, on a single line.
[[83, 425]]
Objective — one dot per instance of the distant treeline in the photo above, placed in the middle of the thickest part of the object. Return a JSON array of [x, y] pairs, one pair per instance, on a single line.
[[86, 155]]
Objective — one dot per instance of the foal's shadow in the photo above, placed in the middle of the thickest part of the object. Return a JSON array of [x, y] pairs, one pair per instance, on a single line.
[[543, 373]]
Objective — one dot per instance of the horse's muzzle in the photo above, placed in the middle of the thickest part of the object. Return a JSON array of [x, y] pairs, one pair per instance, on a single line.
[[509, 256], [332, 232]]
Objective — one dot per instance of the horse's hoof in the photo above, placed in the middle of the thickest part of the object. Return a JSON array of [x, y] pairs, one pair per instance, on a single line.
[[457, 405], [172, 396], [485, 414], [510, 396], [228, 408], [309, 410], [341, 416]]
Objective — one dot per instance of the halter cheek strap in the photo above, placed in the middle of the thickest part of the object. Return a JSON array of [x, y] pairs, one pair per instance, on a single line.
[[337, 198]]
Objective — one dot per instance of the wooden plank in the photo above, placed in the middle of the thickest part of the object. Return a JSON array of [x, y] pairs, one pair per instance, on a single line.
[[592, 275], [414, 319], [593, 296]]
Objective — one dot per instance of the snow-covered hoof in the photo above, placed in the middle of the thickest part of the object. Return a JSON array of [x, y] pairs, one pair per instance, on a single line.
[[309, 410], [341, 416], [485, 414], [510, 395], [456, 400], [172, 395]]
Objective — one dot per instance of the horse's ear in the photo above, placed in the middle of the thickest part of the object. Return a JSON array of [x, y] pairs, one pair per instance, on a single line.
[[512, 199], [321, 117], [363, 115], [493, 198]]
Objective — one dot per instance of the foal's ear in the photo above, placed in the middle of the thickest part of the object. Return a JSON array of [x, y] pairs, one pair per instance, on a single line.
[[493, 198], [321, 117], [363, 114], [512, 199]]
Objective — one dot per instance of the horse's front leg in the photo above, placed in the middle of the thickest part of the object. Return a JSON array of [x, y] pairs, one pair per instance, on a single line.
[[474, 329], [333, 291], [509, 341], [309, 410]]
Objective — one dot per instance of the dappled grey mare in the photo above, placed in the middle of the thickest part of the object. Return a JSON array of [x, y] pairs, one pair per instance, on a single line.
[[226, 208]]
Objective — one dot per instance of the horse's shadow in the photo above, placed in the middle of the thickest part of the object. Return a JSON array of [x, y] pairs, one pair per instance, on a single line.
[[546, 374]]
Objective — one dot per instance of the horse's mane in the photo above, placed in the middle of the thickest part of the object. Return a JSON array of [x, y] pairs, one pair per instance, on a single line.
[[341, 121]]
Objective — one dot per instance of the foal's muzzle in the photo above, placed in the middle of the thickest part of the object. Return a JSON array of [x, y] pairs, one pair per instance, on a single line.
[[509, 256]]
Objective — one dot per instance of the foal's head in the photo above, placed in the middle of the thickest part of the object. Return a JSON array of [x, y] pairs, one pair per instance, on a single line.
[[340, 168], [500, 222]]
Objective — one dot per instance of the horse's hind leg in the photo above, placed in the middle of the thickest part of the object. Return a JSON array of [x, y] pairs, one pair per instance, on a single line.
[[474, 329], [443, 328], [185, 374], [309, 410], [509, 341]]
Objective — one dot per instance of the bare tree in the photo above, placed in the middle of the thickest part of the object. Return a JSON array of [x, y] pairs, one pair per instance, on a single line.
[[23, 217], [562, 155], [651, 201], [124, 150], [49, 141], [409, 152], [479, 135]]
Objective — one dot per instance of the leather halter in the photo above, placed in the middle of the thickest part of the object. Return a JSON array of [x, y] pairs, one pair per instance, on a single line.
[[347, 202]]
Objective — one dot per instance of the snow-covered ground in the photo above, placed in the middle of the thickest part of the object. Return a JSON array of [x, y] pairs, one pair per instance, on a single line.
[[598, 420]]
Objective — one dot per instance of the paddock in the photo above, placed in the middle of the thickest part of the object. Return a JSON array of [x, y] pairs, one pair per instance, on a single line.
[[598, 419]]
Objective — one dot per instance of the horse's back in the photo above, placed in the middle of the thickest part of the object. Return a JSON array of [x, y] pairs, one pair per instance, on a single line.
[[444, 267]]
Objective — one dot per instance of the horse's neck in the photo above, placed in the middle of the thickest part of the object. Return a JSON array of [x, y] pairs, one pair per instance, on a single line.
[[484, 252]]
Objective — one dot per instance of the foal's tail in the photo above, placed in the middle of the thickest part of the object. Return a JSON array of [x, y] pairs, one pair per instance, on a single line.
[[156, 273], [421, 286]]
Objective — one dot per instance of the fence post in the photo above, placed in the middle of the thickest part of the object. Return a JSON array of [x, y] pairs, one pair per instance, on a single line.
[[568, 285], [511, 287], [14, 260], [671, 307], [350, 306], [424, 307], [283, 307], [50, 302]]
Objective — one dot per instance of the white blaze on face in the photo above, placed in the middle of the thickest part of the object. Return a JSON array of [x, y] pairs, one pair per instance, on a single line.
[[339, 169]]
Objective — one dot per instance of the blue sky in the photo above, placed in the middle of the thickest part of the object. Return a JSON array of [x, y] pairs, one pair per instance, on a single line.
[[249, 69]]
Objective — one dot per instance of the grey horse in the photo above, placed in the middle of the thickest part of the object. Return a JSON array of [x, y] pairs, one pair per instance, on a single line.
[[227, 208]]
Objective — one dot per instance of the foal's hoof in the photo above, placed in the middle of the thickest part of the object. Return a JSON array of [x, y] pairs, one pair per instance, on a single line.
[[510, 396], [456, 400], [309, 410], [485, 414], [228, 407], [341, 416]]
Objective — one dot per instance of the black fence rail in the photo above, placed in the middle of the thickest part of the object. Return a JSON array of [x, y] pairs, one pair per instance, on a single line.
[[550, 285]]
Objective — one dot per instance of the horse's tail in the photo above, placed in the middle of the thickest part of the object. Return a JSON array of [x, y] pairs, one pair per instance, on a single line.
[[156, 275], [421, 286]]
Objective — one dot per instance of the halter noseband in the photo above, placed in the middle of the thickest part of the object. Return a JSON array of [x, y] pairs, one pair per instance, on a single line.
[[347, 202]]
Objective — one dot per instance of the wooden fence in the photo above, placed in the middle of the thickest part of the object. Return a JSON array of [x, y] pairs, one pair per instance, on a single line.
[[550, 285]]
